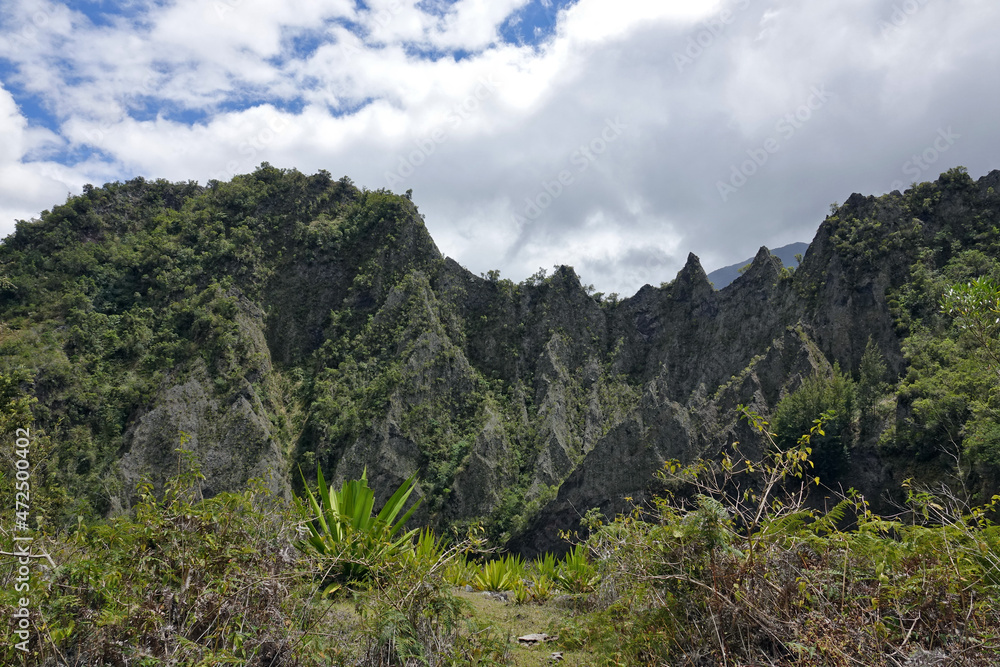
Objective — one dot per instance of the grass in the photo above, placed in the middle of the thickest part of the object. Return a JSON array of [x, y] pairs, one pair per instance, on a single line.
[[345, 626], [515, 621]]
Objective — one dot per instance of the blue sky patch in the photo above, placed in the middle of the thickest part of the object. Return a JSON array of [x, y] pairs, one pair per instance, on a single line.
[[32, 105], [425, 52], [349, 108], [249, 101], [103, 13], [435, 7], [70, 156], [534, 23]]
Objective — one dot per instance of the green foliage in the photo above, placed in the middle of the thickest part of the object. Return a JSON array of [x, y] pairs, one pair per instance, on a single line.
[[576, 574], [547, 566], [181, 580], [750, 573], [820, 395], [15, 404], [499, 574], [131, 283], [461, 571], [948, 397], [193, 581], [343, 530], [871, 385], [975, 309]]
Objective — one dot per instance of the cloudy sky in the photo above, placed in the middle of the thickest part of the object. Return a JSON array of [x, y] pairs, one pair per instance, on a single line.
[[611, 135]]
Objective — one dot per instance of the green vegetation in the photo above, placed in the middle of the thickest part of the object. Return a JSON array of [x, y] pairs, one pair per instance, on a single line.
[[498, 575], [181, 578], [576, 574], [731, 565], [285, 320], [746, 572], [832, 397], [344, 531]]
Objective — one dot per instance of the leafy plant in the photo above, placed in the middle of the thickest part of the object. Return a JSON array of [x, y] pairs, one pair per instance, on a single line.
[[975, 307], [522, 593], [460, 571], [179, 579], [343, 530], [738, 568], [542, 587], [493, 575], [576, 573], [547, 565]]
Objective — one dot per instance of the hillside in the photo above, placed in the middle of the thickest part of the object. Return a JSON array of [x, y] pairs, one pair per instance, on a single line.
[[279, 320]]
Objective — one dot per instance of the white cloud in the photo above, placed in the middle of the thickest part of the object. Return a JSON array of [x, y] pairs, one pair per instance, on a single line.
[[699, 85], [23, 185]]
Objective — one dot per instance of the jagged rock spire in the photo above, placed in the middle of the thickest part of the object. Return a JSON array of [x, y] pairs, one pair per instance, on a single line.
[[692, 281]]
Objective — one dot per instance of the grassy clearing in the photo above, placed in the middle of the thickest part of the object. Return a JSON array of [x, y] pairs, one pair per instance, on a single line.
[[513, 621]]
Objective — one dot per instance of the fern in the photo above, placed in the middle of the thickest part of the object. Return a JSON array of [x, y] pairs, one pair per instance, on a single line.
[[827, 524]]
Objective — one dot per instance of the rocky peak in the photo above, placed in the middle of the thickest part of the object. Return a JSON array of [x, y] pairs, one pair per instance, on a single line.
[[765, 268], [692, 282]]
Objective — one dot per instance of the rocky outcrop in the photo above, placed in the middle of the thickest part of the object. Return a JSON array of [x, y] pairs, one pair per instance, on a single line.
[[354, 343]]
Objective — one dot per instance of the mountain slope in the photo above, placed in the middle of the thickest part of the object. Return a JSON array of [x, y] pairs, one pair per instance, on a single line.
[[282, 320]]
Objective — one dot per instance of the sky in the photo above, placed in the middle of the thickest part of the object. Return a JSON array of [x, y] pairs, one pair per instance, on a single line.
[[614, 136]]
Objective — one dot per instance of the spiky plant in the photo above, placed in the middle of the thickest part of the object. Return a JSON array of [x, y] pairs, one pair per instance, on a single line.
[[343, 529]]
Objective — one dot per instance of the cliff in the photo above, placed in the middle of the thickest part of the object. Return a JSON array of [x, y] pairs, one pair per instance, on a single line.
[[280, 320]]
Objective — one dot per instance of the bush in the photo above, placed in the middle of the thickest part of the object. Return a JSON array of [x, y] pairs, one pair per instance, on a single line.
[[181, 580], [344, 533], [749, 574], [501, 574], [576, 574], [832, 396]]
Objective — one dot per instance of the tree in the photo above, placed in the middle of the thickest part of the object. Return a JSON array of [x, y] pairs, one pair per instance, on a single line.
[[871, 379], [796, 412], [975, 307]]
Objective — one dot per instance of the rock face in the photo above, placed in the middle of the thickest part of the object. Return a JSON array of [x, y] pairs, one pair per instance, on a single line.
[[355, 344]]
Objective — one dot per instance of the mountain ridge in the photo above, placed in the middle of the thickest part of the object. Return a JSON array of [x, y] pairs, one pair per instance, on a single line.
[[281, 321]]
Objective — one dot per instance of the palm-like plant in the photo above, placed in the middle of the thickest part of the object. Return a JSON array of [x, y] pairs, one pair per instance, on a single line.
[[342, 527], [494, 575], [576, 573]]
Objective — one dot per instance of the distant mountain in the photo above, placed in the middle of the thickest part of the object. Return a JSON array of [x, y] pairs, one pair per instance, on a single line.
[[727, 274]]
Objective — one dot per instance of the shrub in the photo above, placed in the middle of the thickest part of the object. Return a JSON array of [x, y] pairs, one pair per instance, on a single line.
[[542, 588], [460, 572], [576, 574], [180, 580], [832, 396], [749, 573], [493, 575], [343, 531]]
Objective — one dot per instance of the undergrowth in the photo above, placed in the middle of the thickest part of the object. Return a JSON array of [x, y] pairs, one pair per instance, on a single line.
[[733, 565], [736, 567]]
